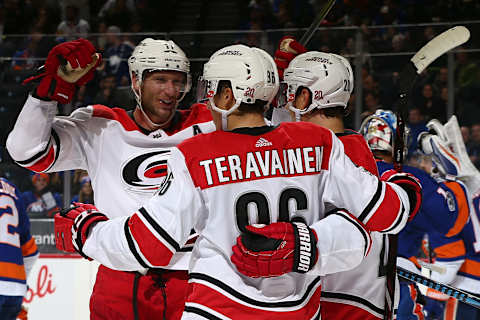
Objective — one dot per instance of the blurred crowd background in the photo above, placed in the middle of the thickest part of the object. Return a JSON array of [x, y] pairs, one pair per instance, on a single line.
[[377, 36]]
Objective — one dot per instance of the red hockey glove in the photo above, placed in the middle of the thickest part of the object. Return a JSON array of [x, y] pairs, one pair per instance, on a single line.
[[68, 65], [288, 48], [73, 225], [275, 249], [410, 184]]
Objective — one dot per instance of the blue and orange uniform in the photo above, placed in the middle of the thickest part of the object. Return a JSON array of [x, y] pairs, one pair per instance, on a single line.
[[463, 252], [445, 210], [18, 250]]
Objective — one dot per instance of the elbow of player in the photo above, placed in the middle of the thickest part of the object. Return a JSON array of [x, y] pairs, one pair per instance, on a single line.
[[19, 150]]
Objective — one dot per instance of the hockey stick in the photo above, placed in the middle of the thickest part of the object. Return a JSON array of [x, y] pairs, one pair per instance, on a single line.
[[316, 23], [453, 292], [432, 267], [436, 47]]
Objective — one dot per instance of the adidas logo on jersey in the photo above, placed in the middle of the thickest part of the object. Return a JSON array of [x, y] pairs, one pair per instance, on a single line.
[[262, 143]]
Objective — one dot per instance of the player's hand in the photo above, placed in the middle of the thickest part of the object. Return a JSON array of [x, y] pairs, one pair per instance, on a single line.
[[410, 184], [445, 160], [275, 249], [68, 65], [288, 48], [73, 225]]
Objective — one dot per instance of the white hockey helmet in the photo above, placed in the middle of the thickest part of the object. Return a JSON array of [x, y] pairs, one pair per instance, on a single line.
[[252, 74], [379, 130], [329, 78], [158, 55]]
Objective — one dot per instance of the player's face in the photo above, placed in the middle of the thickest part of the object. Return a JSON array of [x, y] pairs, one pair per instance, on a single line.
[[160, 93]]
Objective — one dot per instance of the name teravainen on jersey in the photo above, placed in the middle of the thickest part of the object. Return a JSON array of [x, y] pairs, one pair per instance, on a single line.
[[265, 163]]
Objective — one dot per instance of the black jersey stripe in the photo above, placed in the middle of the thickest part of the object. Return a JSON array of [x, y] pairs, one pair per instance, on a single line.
[[160, 230], [42, 153], [347, 297], [201, 312], [362, 230], [131, 245], [398, 221], [372, 202], [248, 300], [57, 151]]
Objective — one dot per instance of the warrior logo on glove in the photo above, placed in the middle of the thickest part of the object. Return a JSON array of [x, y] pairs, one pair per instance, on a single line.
[[275, 249]]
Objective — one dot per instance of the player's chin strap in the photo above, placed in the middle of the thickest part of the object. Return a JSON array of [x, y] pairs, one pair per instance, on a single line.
[[298, 113], [224, 113]]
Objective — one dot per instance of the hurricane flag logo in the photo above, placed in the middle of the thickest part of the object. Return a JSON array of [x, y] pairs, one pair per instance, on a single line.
[[145, 172]]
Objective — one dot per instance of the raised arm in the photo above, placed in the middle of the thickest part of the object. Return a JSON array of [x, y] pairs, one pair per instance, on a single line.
[[38, 139]]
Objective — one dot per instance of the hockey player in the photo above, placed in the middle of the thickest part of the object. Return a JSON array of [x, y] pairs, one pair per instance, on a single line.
[[266, 187], [18, 251], [444, 207], [319, 87], [458, 255], [124, 153]]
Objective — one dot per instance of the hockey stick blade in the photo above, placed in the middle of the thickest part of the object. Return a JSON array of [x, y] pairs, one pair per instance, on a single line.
[[450, 291], [436, 47], [318, 20], [439, 45]]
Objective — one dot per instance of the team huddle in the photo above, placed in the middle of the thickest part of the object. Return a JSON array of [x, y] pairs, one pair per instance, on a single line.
[[215, 212]]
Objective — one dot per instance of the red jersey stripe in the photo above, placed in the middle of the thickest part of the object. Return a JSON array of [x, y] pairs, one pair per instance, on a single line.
[[44, 162], [151, 246]]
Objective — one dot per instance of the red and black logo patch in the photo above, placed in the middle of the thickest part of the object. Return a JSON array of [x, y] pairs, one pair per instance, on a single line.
[[147, 171]]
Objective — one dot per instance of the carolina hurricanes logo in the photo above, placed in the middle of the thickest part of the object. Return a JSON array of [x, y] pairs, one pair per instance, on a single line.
[[145, 172]]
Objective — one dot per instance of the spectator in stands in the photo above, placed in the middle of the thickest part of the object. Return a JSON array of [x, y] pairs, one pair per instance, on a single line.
[[73, 26], [466, 138], [85, 195], [416, 124], [441, 79], [116, 55], [118, 12], [101, 39], [371, 104], [431, 104], [466, 70], [24, 58], [110, 95], [475, 145], [369, 82], [41, 202]]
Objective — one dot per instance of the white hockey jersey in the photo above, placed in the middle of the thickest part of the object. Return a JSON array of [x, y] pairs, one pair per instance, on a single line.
[[126, 166], [222, 181]]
